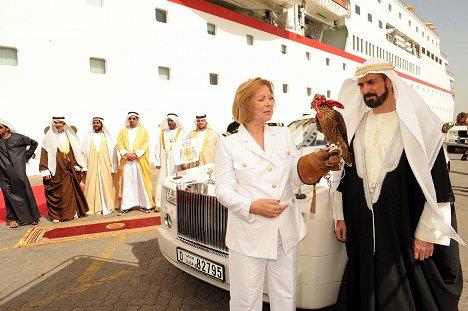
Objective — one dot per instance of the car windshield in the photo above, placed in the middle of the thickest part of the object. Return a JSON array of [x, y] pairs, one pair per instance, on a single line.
[[305, 133]]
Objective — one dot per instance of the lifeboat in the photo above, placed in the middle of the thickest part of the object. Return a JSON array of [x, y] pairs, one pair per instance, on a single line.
[[431, 27], [263, 4], [327, 10]]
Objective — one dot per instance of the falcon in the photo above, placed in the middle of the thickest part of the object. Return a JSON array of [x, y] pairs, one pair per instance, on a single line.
[[330, 122]]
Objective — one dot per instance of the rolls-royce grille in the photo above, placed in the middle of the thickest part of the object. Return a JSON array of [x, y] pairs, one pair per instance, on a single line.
[[202, 220]]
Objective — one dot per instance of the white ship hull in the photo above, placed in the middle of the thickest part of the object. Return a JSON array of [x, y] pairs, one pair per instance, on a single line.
[[56, 39]]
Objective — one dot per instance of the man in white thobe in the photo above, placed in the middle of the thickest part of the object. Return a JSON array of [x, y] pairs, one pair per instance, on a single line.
[[133, 145], [171, 132]]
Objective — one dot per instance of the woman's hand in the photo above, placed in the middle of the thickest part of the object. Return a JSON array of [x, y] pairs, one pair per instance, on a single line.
[[268, 208]]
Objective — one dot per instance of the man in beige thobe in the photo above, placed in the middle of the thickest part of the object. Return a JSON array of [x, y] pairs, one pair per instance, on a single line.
[[207, 140], [100, 154]]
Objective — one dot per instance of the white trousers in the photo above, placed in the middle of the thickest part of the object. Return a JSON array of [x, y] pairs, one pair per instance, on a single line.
[[247, 277]]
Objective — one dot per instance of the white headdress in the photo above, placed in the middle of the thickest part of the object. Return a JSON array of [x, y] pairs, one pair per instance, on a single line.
[[51, 141], [133, 114], [163, 125], [420, 129], [111, 145], [9, 125], [199, 117]]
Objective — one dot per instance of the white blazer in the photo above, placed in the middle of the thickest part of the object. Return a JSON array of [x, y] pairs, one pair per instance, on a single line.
[[244, 173]]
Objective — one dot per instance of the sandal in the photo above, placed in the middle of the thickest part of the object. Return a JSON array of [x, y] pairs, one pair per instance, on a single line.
[[144, 210], [121, 213], [34, 223], [13, 224]]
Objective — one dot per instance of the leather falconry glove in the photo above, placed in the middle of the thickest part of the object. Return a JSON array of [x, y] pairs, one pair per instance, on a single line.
[[313, 166]]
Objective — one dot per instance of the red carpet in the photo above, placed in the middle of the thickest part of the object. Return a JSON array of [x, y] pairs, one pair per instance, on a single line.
[[59, 233], [40, 200]]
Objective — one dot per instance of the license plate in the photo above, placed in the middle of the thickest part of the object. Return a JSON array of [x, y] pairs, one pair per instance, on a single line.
[[201, 264]]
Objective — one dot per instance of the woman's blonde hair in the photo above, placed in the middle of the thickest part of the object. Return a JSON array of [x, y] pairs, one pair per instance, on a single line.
[[241, 108]]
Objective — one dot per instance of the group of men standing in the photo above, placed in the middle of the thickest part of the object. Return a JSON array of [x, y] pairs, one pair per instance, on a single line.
[[65, 164]]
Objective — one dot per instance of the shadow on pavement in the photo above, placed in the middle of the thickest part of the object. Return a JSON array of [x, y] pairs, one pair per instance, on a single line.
[[93, 283]]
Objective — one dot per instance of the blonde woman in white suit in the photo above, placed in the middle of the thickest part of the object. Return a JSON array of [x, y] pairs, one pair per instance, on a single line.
[[254, 170]]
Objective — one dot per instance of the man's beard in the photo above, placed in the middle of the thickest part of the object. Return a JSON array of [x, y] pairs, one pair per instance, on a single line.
[[374, 103], [97, 129]]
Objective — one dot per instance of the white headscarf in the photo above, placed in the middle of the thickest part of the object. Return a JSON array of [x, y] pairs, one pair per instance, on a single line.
[[201, 117], [420, 129], [133, 114], [163, 125], [51, 141], [9, 125], [111, 145]]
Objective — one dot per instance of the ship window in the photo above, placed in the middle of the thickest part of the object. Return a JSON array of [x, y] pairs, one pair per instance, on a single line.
[[354, 42], [97, 65], [213, 79], [417, 29], [309, 91], [409, 23], [161, 15], [380, 25], [284, 49], [400, 15], [357, 9], [327, 61], [423, 34], [164, 73], [424, 50], [211, 29], [308, 55], [250, 39], [344, 66], [285, 88], [362, 45], [379, 1], [390, 7], [8, 56], [96, 3], [369, 17], [328, 94]]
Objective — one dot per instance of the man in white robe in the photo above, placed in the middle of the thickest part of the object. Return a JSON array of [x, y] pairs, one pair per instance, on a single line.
[[133, 145], [171, 131], [207, 139], [100, 154]]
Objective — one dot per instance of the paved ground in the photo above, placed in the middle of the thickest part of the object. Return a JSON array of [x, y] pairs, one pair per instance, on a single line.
[[128, 272]]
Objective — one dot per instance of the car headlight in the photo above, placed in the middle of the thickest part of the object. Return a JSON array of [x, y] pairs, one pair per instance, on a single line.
[[171, 196]]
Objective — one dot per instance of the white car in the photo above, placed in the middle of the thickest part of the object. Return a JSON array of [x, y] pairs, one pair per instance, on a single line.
[[456, 137], [193, 230]]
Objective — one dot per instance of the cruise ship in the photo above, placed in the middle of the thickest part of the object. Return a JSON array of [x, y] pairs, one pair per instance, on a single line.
[[86, 58]]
